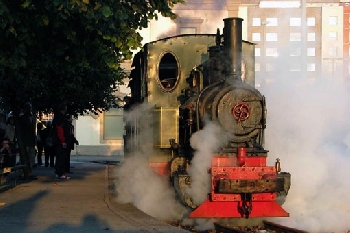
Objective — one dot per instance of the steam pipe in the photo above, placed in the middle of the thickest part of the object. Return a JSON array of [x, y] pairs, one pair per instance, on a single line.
[[233, 46]]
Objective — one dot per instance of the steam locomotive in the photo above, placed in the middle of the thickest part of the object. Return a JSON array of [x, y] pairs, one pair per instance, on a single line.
[[191, 81]]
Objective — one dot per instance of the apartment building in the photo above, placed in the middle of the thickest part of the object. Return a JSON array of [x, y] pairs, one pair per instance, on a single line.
[[306, 40]]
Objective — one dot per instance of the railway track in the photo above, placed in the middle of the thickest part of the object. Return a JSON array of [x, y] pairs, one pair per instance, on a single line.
[[268, 227], [279, 228]]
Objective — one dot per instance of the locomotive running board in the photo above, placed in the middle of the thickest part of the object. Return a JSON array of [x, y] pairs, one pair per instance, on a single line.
[[223, 209]]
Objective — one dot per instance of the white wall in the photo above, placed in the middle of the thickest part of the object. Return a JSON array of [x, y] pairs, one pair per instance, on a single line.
[[89, 133], [88, 130]]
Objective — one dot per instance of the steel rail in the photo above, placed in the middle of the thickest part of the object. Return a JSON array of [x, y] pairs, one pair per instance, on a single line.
[[280, 228]]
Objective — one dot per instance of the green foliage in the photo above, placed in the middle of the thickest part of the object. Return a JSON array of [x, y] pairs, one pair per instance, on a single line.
[[69, 51]]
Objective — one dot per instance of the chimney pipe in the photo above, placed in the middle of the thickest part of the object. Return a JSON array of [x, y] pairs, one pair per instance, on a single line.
[[233, 46]]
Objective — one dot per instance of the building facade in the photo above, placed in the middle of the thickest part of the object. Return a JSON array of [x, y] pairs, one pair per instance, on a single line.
[[306, 40]]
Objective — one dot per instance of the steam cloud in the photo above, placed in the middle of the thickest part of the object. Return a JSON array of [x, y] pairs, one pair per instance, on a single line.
[[205, 142], [136, 183], [308, 128]]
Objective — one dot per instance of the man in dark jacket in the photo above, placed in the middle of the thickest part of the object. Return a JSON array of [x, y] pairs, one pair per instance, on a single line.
[[61, 133], [49, 148], [27, 136]]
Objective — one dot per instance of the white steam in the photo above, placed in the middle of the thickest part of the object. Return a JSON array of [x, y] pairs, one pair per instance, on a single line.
[[205, 142], [136, 183], [149, 192], [308, 128]]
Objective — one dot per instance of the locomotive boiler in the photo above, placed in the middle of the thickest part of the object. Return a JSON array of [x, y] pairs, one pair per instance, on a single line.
[[190, 80]]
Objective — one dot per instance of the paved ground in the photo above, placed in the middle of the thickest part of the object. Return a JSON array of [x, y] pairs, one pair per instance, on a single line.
[[81, 204]]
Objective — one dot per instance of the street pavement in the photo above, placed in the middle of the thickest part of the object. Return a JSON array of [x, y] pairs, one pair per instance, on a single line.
[[82, 204]]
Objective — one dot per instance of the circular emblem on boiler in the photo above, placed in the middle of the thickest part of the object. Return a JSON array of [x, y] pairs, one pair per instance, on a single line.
[[241, 111]]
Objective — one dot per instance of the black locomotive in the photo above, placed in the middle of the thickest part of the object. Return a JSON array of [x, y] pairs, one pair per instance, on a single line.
[[191, 81]]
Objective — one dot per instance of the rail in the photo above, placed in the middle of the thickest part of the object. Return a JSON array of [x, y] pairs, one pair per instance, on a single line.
[[267, 227]]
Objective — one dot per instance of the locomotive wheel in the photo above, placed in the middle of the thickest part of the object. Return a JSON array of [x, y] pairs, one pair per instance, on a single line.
[[181, 182]]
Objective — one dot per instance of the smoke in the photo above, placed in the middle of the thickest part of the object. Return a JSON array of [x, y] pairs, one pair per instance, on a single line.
[[205, 142], [149, 192], [136, 183], [309, 129], [209, 25]]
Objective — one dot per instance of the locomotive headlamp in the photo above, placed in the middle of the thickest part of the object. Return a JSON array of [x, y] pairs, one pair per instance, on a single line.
[[278, 165]]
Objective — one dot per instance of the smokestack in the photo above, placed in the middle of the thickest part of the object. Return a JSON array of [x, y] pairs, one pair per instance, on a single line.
[[233, 46]]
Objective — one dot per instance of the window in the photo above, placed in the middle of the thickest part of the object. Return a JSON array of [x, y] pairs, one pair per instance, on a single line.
[[333, 20], [113, 124], [311, 67], [311, 36], [188, 25], [333, 35], [271, 52], [257, 66], [168, 72], [256, 36], [294, 22], [270, 67], [332, 52], [330, 67], [271, 22], [257, 52], [295, 66], [311, 52], [333, 66], [295, 36], [295, 52], [311, 21], [188, 30], [256, 22], [271, 36]]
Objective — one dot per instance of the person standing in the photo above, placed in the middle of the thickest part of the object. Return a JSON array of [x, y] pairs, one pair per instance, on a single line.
[[27, 123], [10, 129], [39, 143], [61, 134], [49, 148], [10, 133], [71, 142]]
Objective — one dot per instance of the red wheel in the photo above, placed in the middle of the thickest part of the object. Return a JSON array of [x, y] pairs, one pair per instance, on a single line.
[[241, 111]]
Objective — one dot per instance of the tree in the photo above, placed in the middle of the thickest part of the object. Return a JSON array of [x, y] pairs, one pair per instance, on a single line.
[[54, 51], [69, 50]]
